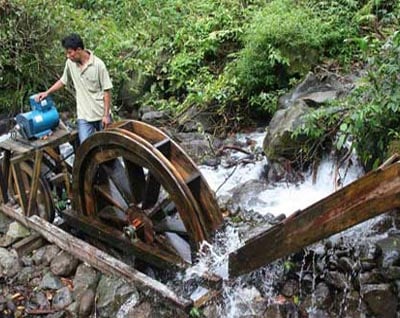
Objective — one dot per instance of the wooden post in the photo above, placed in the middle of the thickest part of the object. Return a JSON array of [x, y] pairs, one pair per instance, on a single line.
[[369, 196], [5, 169], [34, 182]]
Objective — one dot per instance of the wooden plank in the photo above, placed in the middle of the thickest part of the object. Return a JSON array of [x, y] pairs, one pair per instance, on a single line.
[[24, 149], [98, 259], [19, 185], [3, 188], [34, 182], [164, 146], [369, 196], [6, 172], [28, 244], [98, 230], [205, 296]]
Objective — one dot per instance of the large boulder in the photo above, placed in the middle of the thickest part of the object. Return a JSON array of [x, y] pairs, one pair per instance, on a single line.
[[317, 89], [279, 141]]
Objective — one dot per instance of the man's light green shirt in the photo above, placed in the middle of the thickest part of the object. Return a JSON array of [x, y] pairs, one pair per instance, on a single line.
[[90, 84]]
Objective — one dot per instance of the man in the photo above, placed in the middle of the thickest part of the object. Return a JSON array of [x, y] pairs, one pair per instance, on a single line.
[[92, 85]]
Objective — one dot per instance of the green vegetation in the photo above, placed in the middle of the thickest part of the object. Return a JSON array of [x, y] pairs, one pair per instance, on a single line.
[[369, 118], [233, 58]]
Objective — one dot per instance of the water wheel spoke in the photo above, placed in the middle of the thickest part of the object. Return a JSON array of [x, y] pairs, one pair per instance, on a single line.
[[152, 191], [114, 216], [170, 224], [136, 179], [110, 192], [181, 246], [164, 207], [115, 170]]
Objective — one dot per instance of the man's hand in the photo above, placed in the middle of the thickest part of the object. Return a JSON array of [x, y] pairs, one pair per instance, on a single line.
[[40, 96], [106, 120]]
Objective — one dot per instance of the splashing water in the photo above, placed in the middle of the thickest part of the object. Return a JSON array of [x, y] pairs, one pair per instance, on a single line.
[[239, 296]]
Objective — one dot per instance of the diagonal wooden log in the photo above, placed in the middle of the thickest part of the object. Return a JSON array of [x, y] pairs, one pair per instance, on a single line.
[[97, 258], [369, 196]]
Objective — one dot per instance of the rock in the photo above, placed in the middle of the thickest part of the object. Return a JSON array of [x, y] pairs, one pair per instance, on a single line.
[[211, 311], [391, 272], [86, 303], [199, 146], [49, 281], [389, 250], [290, 288], [40, 300], [62, 298], [9, 263], [156, 118], [372, 277], [4, 223], [17, 230], [64, 264], [380, 299], [368, 251], [346, 265], [72, 310], [111, 294], [38, 255], [278, 142], [353, 307], [25, 275], [322, 295], [128, 305], [51, 251], [244, 194], [318, 313], [337, 280], [195, 120], [86, 277], [317, 89]]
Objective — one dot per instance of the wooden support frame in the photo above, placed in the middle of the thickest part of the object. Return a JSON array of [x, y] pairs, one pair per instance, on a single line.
[[97, 258]]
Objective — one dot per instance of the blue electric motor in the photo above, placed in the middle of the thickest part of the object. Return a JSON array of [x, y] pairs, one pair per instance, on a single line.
[[40, 121]]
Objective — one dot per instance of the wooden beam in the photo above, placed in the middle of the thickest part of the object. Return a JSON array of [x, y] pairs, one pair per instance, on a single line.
[[152, 254], [97, 258], [19, 186], [28, 244], [369, 196], [34, 182], [5, 167]]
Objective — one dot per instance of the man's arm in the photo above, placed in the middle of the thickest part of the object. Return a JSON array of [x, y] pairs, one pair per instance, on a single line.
[[106, 120], [56, 86]]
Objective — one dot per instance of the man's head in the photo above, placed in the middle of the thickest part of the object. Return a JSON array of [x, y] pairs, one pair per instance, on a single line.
[[74, 47]]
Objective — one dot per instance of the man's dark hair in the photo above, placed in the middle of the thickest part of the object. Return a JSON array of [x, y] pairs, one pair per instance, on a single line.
[[72, 41]]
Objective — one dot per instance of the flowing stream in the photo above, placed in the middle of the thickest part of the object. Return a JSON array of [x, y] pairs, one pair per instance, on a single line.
[[241, 295]]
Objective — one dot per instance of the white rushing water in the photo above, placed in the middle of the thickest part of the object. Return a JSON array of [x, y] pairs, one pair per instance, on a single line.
[[238, 296]]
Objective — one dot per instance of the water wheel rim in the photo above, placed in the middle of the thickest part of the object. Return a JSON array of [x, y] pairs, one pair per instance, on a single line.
[[127, 145], [208, 208]]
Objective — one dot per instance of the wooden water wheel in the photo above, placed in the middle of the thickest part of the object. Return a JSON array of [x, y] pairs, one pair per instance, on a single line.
[[141, 192]]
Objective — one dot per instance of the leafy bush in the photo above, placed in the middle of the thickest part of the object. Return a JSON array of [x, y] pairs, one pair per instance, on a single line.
[[374, 118], [284, 39], [28, 32]]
